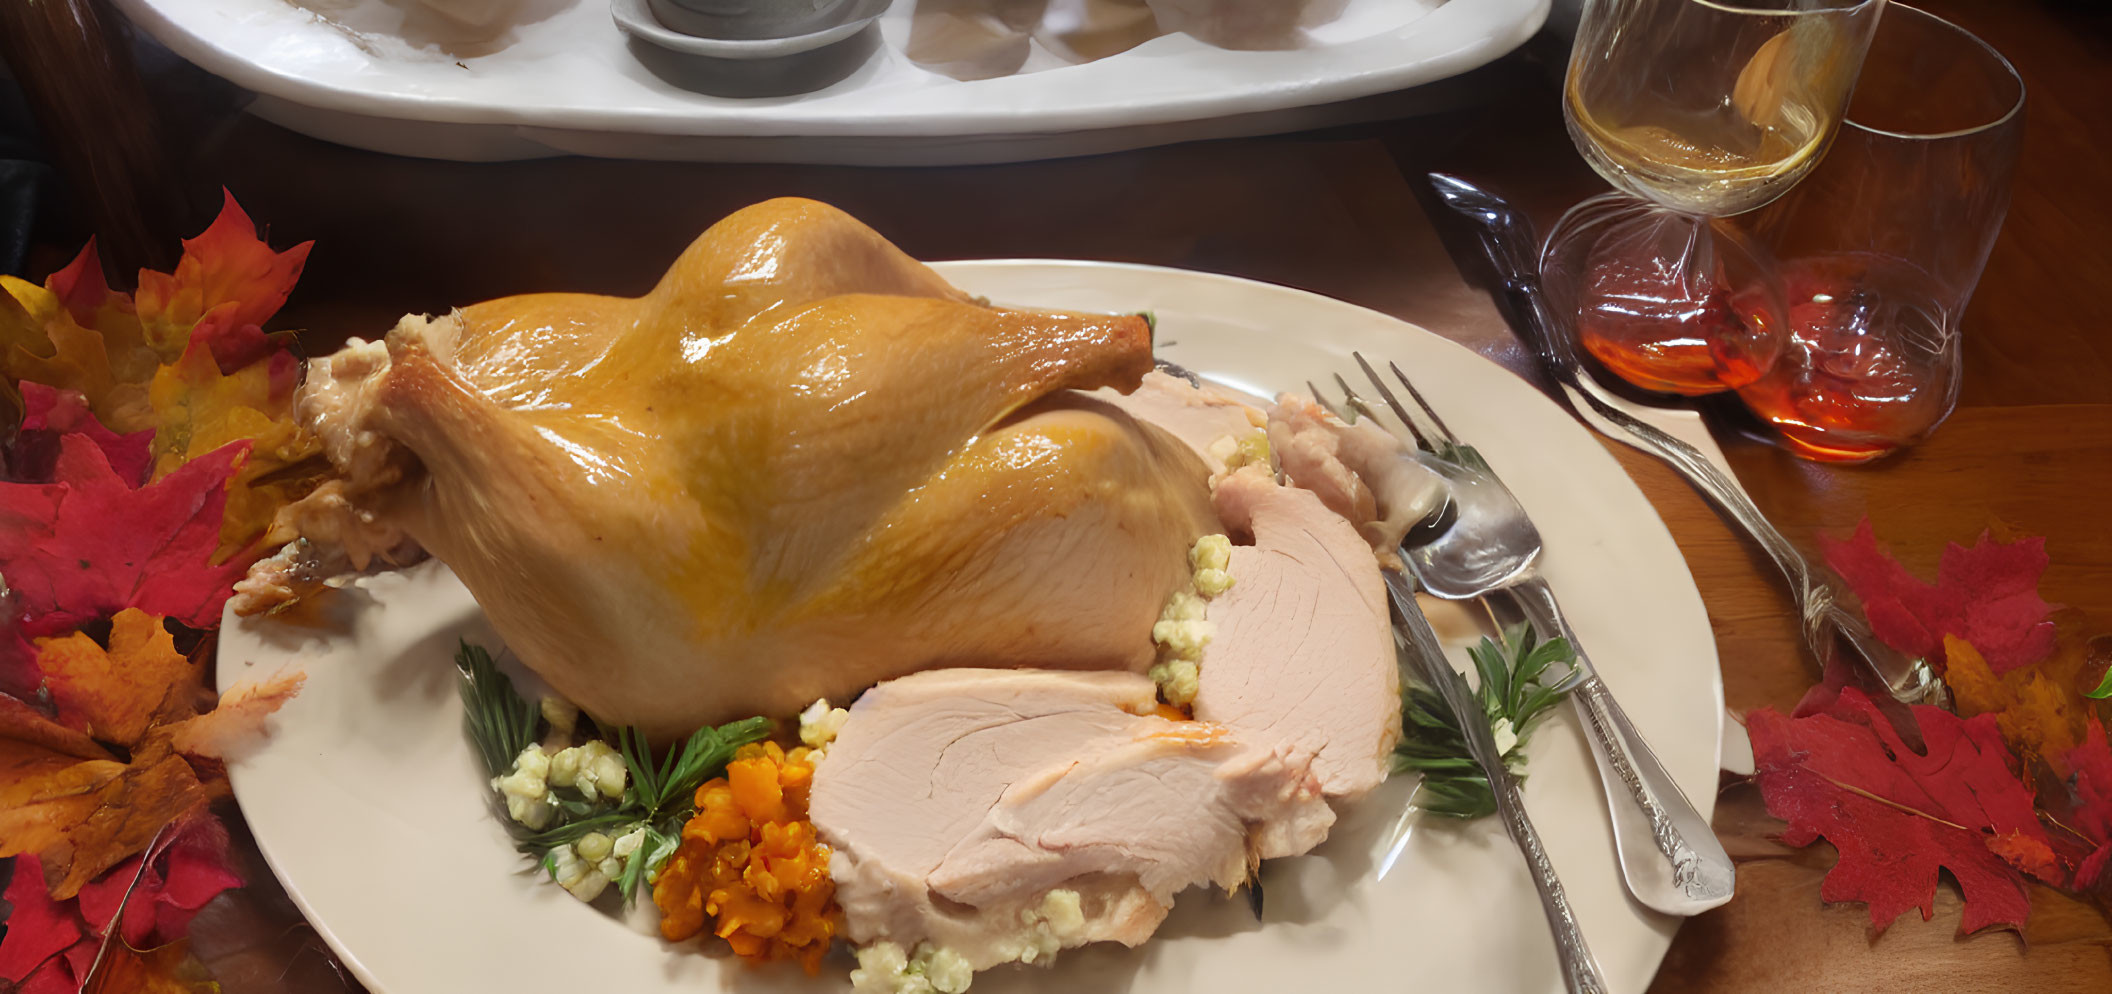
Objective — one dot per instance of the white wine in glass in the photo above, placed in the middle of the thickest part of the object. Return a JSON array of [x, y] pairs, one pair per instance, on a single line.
[[1712, 108]]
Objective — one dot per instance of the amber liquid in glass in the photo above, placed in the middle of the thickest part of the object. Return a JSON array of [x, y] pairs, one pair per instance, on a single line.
[[1662, 328], [1662, 121], [1864, 372], [1714, 162]]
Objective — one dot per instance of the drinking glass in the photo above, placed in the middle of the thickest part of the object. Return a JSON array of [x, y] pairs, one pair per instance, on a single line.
[[1695, 111], [1668, 301], [1882, 245]]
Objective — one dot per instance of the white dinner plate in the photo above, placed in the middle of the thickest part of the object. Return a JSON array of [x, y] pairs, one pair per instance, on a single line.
[[369, 805], [368, 73]]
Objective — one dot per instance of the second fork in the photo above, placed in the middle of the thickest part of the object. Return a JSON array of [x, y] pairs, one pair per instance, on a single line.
[[1669, 856]]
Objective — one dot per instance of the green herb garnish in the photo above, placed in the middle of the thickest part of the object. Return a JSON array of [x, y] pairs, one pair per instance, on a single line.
[[657, 796], [501, 722], [1514, 696], [2103, 690], [682, 770]]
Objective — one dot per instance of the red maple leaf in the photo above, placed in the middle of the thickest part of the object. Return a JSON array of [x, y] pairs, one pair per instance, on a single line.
[[237, 346], [2092, 763], [39, 928], [1898, 817], [18, 659], [87, 546], [227, 280], [50, 943], [50, 414], [1987, 594], [80, 286], [189, 872]]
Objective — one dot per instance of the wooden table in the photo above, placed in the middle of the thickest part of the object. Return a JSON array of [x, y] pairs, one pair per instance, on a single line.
[[1339, 213]]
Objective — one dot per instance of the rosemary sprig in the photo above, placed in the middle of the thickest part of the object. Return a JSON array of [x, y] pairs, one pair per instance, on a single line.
[[658, 797], [1515, 693], [682, 770], [658, 846], [501, 722]]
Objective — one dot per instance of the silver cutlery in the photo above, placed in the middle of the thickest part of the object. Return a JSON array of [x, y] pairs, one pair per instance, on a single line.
[[1508, 241], [1482, 542], [1579, 971]]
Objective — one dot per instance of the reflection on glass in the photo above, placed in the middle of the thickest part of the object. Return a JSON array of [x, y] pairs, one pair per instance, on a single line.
[[1883, 245]]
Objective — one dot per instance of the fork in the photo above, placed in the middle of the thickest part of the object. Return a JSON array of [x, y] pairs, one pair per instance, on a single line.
[[1481, 541], [1580, 971]]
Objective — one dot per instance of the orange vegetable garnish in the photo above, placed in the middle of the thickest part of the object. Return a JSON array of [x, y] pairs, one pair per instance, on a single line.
[[750, 860]]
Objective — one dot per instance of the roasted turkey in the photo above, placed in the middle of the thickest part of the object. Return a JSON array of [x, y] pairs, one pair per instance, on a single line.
[[802, 464]]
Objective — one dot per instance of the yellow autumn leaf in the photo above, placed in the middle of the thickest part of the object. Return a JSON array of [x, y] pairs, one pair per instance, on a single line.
[[196, 409], [2037, 707], [109, 365]]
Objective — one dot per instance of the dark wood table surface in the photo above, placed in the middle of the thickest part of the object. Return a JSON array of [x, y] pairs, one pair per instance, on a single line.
[[1342, 213]]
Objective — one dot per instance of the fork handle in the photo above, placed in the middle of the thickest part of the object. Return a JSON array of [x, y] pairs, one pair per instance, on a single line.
[[1910, 680], [1425, 660], [1579, 972], [1818, 608]]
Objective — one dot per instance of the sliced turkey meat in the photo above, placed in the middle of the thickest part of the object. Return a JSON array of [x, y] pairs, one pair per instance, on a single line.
[[1302, 653], [1204, 417], [961, 802], [1359, 471]]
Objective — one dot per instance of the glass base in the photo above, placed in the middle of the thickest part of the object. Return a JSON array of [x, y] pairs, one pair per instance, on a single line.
[[1821, 447], [1870, 365], [1668, 302]]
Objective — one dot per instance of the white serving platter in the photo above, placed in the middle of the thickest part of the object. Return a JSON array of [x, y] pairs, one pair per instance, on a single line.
[[369, 804], [368, 73]]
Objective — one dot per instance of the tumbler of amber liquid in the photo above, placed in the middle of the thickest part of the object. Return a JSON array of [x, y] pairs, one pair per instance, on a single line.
[[1669, 301], [1881, 245]]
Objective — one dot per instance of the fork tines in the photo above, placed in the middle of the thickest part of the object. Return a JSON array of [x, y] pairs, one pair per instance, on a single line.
[[1400, 410]]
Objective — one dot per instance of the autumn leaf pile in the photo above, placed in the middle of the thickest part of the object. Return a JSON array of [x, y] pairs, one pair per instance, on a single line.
[[152, 442], [2014, 785]]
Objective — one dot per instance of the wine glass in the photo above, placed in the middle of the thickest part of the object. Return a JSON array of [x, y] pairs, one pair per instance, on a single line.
[[1881, 247], [1695, 111]]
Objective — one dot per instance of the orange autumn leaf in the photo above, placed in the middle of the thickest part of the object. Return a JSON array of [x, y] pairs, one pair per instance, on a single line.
[[21, 723], [66, 799], [2039, 711], [114, 694], [227, 278], [197, 409], [41, 804], [49, 778], [156, 789], [42, 342]]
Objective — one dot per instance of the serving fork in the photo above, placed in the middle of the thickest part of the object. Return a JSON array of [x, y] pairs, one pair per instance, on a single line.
[[1508, 242], [1480, 542]]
